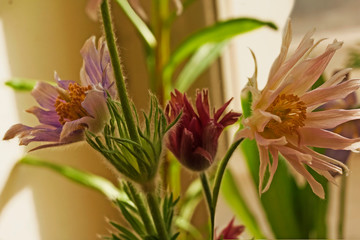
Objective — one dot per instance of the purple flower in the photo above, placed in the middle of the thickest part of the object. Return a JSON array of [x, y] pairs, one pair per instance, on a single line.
[[69, 108], [231, 231], [194, 139], [349, 129]]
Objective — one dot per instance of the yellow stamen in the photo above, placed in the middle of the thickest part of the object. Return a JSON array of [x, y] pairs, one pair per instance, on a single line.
[[68, 104], [291, 111]]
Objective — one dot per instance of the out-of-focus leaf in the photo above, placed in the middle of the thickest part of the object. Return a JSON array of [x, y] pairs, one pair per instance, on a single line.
[[236, 202], [23, 84], [216, 33], [139, 24], [84, 178], [186, 226], [201, 59]]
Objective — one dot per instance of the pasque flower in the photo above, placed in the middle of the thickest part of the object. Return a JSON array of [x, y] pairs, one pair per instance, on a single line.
[[194, 139], [69, 108], [348, 129], [231, 231], [283, 119]]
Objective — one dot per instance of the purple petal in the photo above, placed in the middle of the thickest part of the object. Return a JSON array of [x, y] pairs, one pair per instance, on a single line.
[[64, 84], [45, 117], [15, 130], [45, 94], [91, 68], [95, 104]]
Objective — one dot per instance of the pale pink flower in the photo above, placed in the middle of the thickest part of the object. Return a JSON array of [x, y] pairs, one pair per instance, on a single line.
[[283, 119]]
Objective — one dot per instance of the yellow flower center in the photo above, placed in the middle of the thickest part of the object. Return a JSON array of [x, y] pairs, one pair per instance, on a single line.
[[291, 111], [68, 103]]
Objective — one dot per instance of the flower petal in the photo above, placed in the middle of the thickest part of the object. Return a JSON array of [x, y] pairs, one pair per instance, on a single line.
[[330, 118], [315, 186], [272, 169], [319, 96], [45, 94], [327, 139], [45, 117], [270, 141], [264, 162], [308, 71], [95, 104]]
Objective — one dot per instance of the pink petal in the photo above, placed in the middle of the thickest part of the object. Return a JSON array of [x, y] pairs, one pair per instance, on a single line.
[[315, 186], [270, 141], [336, 78], [264, 162], [276, 77], [330, 118], [319, 96], [325, 139], [272, 168], [308, 71]]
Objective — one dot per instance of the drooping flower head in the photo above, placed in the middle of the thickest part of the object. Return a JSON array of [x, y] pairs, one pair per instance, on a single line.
[[283, 117], [69, 108], [194, 139], [231, 231]]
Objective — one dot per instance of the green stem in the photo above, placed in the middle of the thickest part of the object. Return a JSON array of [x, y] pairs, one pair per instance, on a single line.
[[156, 215], [211, 198], [342, 207], [221, 169], [115, 61], [142, 210], [209, 201]]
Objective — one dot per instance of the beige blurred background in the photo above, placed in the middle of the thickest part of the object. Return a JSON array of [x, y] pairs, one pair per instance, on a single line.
[[38, 37]]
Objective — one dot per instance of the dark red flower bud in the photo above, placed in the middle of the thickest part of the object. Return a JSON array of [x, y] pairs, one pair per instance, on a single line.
[[194, 139], [231, 231]]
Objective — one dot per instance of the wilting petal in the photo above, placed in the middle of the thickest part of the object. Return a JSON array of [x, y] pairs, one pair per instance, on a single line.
[[309, 71], [315, 186], [45, 94], [269, 141], [336, 78], [272, 168], [330, 118], [202, 106], [327, 139], [320, 96], [264, 162]]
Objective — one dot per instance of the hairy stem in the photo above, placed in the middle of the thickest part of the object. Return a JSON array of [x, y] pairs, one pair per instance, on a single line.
[[115, 61], [209, 201], [156, 215], [142, 210]]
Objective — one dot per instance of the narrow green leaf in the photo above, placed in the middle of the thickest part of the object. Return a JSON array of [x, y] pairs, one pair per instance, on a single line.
[[216, 33], [23, 84], [139, 24], [186, 226], [198, 63], [136, 225], [237, 203], [125, 232], [84, 178]]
